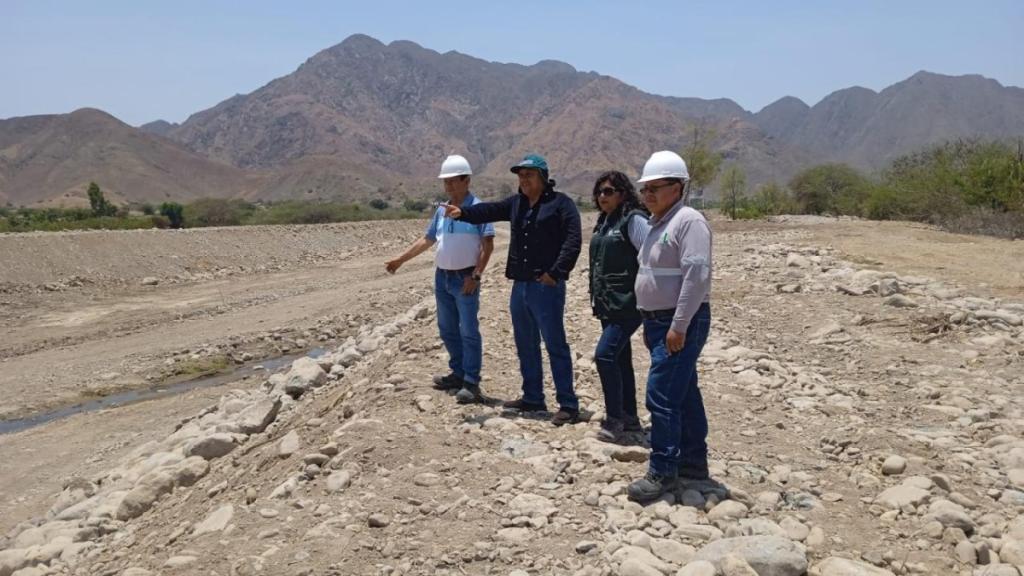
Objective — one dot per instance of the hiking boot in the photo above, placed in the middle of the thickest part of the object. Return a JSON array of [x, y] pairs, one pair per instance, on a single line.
[[469, 394], [565, 416], [694, 472], [449, 382], [632, 425], [521, 405], [611, 431], [651, 487]]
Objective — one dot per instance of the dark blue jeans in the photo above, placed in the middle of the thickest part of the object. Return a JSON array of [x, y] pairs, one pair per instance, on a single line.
[[679, 425], [458, 323], [614, 359], [538, 311]]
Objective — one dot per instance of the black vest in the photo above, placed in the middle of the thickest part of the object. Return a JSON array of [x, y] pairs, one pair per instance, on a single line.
[[613, 268]]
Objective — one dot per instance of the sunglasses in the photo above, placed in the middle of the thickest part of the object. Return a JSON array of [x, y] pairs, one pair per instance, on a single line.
[[652, 189], [606, 191]]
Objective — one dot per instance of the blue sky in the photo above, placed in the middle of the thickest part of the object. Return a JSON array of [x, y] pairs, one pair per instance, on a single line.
[[146, 60]]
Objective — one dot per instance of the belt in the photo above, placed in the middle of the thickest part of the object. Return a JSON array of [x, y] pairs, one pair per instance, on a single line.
[[460, 271], [657, 314]]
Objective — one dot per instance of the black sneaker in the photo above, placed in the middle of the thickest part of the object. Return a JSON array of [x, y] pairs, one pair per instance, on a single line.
[[449, 382], [694, 472], [565, 416], [611, 431], [521, 405], [469, 394], [651, 487]]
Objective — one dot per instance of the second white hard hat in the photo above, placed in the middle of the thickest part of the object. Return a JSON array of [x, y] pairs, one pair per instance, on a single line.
[[455, 165], [664, 164]]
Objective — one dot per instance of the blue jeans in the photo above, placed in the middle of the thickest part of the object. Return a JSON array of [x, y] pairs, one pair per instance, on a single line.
[[458, 324], [538, 311], [679, 425], [614, 359]]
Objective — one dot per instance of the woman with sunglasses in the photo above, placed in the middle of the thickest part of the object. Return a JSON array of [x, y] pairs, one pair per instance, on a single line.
[[617, 238]]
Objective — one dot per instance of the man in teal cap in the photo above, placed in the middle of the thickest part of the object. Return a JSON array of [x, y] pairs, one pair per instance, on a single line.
[[543, 250]]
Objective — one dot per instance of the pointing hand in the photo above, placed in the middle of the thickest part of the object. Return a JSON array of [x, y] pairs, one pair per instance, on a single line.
[[452, 211]]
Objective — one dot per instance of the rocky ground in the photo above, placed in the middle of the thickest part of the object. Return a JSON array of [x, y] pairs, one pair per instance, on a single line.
[[864, 419]]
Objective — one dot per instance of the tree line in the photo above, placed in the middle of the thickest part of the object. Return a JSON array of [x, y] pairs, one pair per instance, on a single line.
[[104, 214], [971, 186]]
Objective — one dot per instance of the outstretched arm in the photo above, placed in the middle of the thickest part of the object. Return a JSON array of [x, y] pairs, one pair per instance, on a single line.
[[483, 212], [418, 247]]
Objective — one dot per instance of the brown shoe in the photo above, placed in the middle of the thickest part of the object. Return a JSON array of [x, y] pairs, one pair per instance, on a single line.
[[564, 416], [521, 405]]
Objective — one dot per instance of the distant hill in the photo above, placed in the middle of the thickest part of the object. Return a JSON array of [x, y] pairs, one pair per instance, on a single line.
[[399, 108], [365, 119], [52, 159], [868, 129], [158, 127]]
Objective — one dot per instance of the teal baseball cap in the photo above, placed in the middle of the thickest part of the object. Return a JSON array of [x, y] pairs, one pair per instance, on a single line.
[[535, 161]]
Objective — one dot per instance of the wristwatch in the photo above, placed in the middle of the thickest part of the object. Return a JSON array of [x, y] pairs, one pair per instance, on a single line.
[[477, 276]]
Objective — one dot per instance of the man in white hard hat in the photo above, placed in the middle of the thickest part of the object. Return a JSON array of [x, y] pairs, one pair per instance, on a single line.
[[463, 250], [673, 286]]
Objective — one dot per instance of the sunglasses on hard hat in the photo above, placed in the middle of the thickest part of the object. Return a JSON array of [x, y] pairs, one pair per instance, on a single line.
[[606, 191]]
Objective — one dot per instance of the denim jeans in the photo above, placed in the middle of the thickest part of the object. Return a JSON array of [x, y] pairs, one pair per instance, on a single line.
[[538, 311], [679, 425], [614, 359], [458, 323]]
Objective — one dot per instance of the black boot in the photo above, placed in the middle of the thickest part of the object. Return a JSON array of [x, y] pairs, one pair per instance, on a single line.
[[632, 424], [449, 382], [611, 430], [651, 487], [469, 394]]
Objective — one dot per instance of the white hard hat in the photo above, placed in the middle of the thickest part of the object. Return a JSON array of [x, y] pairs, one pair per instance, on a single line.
[[664, 164], [455, 165]]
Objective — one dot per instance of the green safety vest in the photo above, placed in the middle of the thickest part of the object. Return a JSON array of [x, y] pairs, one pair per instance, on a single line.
[[613, 268]]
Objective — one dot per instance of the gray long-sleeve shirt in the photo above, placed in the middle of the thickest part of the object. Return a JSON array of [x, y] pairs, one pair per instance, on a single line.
[[675, 265]]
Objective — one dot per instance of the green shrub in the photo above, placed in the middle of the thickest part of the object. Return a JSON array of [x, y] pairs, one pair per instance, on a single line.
[[772, 199], [749, 212], [835, 189], [217, 212], [415, 205], [174, 213], [941, 182], [99, 204]]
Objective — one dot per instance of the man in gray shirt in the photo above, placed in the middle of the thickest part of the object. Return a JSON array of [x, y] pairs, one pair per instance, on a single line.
[[673, 286]]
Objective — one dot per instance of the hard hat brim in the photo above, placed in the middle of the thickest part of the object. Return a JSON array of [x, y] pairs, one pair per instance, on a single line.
[[643, 179]]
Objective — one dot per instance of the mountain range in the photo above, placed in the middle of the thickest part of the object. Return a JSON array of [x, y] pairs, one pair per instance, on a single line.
[[364, 119]]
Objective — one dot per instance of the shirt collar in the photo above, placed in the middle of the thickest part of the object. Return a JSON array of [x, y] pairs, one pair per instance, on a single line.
[[548, 191], [668, 215]]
